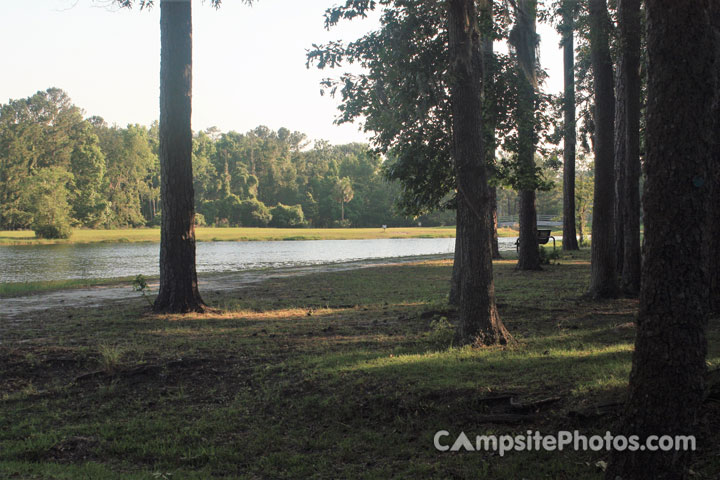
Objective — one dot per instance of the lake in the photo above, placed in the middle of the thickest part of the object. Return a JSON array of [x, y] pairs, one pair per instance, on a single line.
[[27, 263]]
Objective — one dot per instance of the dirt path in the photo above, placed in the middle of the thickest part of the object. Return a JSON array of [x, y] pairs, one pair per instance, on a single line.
[[15, 308]]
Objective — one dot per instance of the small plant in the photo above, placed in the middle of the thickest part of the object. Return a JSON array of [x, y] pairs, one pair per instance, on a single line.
[[441, 333], [110, 357], [140, 285], [547, 257]]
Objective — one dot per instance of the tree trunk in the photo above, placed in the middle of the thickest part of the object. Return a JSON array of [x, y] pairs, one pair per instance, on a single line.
[[524, 41], [569, 133], [480, 323], [603, 280], [630, 27], [490, 110], [494, 245], [667, 378], [178, 279], [620, 136], [713, 234], [454, 297]]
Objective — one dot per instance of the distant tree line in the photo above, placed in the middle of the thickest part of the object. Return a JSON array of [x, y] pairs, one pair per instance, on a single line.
[[59, 169]]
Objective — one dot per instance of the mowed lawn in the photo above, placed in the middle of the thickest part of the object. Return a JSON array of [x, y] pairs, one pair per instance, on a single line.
[[331, 375]]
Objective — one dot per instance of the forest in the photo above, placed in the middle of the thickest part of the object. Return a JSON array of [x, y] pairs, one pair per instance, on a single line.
[[60, 170]]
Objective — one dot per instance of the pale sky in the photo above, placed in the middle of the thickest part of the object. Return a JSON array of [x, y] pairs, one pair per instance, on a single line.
[[248, 62]]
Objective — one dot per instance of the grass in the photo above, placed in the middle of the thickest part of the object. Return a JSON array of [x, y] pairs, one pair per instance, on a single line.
[[208, 234], [332, 375], [13, 289]]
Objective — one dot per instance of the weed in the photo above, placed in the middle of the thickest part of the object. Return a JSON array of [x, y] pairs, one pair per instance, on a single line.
[[110, 356], [140, 285]]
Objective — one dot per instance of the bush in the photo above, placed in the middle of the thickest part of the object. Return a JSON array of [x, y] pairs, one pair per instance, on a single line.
[[60, 230], [284, 216], [254, 213], [547, 255]]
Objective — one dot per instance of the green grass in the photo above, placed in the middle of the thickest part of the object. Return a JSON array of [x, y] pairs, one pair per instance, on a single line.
[[13, 289], [333, 375]]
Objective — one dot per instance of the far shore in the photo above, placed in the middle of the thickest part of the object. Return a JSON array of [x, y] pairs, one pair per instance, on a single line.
[[240, 234], [210, 234]]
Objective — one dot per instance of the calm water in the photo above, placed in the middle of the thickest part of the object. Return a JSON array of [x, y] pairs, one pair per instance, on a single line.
[[59, 262]]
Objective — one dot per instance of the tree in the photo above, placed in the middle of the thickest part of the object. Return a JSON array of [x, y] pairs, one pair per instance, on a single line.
[[45, 196], [285, 216], [178, 278], [343, 193], [524, 41], [603, 281], [480, 323], [667, 378], [567, 30], [628, 145], [713, 233], [178, 291]]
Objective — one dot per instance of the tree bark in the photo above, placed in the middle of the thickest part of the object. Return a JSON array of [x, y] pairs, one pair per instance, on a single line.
[[713, 234], [480, 323], [620, 137], [454, 297], [494, 244], [603, 280], [569, 242], [178, 278], [630, 28], [490, 110], [667, 378], [524, 40]]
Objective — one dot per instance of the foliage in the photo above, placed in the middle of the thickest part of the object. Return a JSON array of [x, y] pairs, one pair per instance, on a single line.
[[45, 199], [284, 216], [403, 99], [140, 284], [254, 213], [116, 174]]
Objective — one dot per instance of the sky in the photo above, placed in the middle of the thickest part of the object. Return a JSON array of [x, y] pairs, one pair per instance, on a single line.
[[248, 62]]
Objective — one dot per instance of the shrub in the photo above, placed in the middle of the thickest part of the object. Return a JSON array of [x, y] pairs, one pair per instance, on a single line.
[[52, 231], [254, 213], [284, 216]]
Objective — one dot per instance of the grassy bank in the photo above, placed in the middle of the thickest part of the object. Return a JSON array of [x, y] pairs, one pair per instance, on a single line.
[[333, 375], [207, 234]]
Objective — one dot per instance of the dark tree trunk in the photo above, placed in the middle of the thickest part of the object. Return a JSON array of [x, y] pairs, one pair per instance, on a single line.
[[494, 245], [178, 279], [603, 280], [569, 134], [667, 378], [713, 234], [629, 21], [620, 161], [454, 297], [490, 110], [523, 39], [480, 323], [529, 256]]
